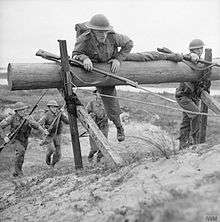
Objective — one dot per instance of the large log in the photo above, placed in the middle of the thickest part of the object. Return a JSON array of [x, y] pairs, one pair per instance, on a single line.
[[48, 75]]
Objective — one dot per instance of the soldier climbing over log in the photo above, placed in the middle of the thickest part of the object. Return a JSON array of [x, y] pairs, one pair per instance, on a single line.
[[98, 43]]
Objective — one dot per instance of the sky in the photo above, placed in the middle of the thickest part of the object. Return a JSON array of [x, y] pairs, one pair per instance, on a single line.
[[29, 25]]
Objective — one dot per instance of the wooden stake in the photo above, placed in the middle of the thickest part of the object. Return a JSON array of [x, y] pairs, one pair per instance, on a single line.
[[71, 107], [204, 107], [98, 137]]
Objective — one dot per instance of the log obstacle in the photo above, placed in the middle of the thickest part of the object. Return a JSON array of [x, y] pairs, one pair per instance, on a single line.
[[25, 76]]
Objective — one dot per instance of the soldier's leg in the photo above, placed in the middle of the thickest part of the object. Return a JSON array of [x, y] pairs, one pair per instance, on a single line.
[[19, 157], [93, 149], [50, 151], [153, 56], [191, 125], [104, 130], [57, 153], [112, 108], [184, 136]]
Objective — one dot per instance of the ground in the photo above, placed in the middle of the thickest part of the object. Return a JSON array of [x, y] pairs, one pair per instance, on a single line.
[[156, 183]]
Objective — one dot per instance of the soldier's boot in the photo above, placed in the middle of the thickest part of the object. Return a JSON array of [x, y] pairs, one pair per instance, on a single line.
[[120, 129], [120, 134], [48, 157], [56, 156], [91, 155], [19, 160], [99, 156]]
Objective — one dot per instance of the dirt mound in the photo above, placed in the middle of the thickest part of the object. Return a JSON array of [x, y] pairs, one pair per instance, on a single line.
[[184, 187]]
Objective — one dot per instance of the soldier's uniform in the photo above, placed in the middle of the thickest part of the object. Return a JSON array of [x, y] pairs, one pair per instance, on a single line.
[[97, 111], [188, 97], [54, 146], [20, 142], [87, 47]]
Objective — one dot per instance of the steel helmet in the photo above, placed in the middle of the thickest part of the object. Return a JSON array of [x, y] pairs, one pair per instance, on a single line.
[[20, 106], [99, 22], [52, 103], [196, 44]]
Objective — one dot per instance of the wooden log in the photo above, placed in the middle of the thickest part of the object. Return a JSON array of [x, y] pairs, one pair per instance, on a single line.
[[98, 136], [204, 107], [48, 75], [210, 102]]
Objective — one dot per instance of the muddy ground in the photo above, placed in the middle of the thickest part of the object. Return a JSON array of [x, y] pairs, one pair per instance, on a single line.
[[156, 183]]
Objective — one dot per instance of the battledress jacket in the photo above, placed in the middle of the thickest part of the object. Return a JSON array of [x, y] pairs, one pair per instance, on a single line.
[[48, 118], [87, 46], [14, 121], [193, 89]]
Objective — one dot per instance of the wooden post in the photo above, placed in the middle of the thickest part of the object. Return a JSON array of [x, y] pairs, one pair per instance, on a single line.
[[204, 107], [71, 102]]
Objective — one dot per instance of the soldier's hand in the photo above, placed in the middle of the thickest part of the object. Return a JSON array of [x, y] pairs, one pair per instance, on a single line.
[[6, 139], [194, 57], [115, 65], [46, 133], [87, 64]]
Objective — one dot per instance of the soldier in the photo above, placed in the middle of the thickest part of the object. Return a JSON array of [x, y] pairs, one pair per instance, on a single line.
[[99, 43], [53, 121], [97, 111], [20, 142], [188, 96]]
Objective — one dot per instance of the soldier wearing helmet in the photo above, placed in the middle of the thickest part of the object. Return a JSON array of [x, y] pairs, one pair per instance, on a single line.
[[99, 43], [53, 154], [188, 96], [20, 142]]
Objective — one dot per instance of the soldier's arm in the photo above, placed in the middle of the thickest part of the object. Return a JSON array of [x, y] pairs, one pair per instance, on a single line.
[[126, 45], [64, 118], [36, 125], [80, 48], [6, 122]]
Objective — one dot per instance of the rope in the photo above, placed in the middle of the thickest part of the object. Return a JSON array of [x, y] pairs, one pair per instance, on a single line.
[[154, 104]]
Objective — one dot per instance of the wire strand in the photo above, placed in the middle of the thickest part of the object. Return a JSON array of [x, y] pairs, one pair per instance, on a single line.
[[152, 104]]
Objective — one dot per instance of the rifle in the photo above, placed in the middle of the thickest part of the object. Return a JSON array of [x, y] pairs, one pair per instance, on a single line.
[[187, 57], [56, 121], [12, 135], [53, 57]]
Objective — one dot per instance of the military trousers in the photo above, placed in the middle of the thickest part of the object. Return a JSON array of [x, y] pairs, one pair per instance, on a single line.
[[111, 105], [93, 146], [20, 149], [53, 154], [150, 56], [189, 128]]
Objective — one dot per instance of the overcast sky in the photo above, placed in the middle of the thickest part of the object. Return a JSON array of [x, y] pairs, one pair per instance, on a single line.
[[27, 25]]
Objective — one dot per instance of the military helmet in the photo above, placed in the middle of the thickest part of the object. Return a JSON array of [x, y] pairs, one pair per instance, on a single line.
[[99, 22], [52, 103], [196, 44], [20, 106]]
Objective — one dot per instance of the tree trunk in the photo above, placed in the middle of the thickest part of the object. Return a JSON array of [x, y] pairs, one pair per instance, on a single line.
[[24, 76]]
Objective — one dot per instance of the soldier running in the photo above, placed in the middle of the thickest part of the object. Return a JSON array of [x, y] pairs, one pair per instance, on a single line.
[[53, 141], [20, 142], [188, 96], [97, 111]]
